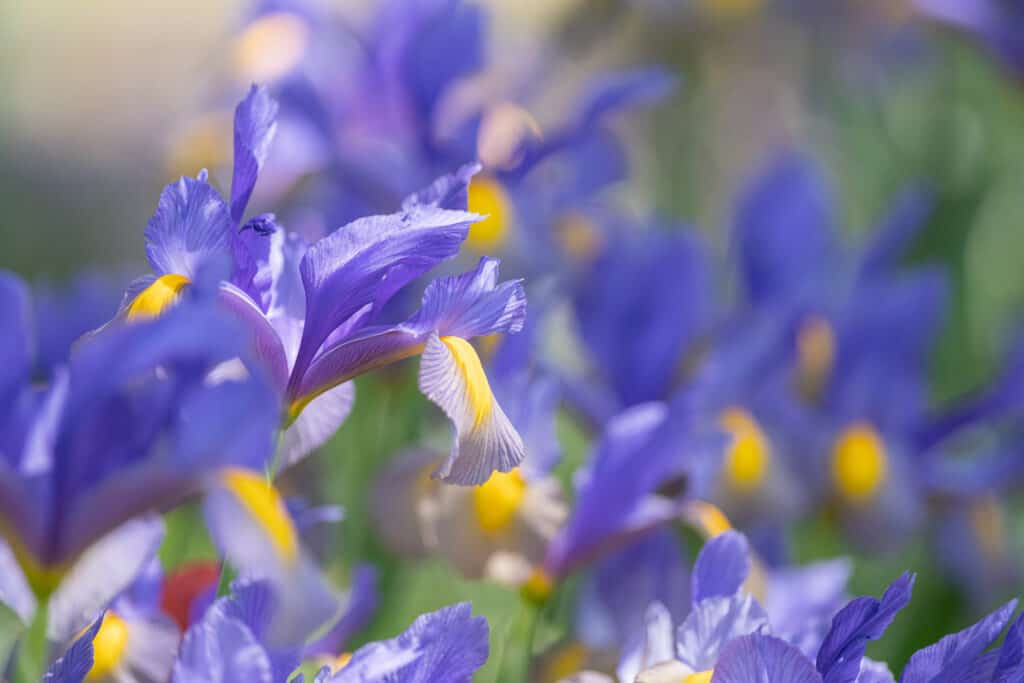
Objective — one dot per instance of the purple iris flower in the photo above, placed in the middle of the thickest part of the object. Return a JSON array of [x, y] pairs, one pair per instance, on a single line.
[[641, 307], [728, 635], [649, 461], [314, 311], [133, 424], [387, 126]]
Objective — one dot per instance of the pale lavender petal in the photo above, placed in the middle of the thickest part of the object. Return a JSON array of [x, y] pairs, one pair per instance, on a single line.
[[255, 124], [712, 624], [317, 423]]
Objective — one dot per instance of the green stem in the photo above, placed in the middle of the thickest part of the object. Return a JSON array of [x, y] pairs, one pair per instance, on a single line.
[[227, 575], [33, 649]]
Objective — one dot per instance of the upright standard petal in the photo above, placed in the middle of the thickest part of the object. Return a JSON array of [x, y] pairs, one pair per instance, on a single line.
[[191, 225], [255, 125], [222, 649], [640, 308], [784, 237], [721, 567], [447, 646], [863, 619]]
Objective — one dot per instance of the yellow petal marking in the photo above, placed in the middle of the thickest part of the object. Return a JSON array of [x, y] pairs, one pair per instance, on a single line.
[[700, 677], [746, 461], [108, 646], [262, 501], [496, 501], [859, 463], [487, 197], [156, 298], [478, 389]]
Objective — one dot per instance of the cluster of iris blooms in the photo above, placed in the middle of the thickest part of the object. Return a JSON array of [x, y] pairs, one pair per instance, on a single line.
[[234, 359]]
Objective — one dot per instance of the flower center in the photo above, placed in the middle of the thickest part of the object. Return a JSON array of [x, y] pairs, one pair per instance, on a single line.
[[746, 462], [859, 463], [488, 197], [156, 298], [108, 646], [496, 501], [700, 677]]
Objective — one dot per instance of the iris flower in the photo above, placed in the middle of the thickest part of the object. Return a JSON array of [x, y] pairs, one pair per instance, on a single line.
[[313, 311], [133, 424], [364, 140]]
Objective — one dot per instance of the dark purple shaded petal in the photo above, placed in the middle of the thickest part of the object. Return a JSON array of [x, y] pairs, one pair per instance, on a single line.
[[784, 236], [760, 658], [640, 308], [317, 423], [863, 619], [615, 594], [134, 438], [366, 263], [362, 604], [640, 450], [721, 567], [1010, 666], [958, 655], [255, 124], [442, 42], [251, 247], [712, 624], [191, 225], [446, 646], [76, 663]]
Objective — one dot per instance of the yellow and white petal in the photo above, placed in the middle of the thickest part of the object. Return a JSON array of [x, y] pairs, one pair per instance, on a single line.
[[251, 527], [485, 441]]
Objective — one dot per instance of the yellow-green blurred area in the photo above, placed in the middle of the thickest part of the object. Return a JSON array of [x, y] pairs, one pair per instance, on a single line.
[[96, 94]]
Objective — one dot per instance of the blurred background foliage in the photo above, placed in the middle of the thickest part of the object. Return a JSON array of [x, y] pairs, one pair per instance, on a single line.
[[93, 92]]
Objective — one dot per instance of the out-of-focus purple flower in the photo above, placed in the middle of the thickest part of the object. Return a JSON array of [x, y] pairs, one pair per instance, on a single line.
[[132, 425], [999, 25]]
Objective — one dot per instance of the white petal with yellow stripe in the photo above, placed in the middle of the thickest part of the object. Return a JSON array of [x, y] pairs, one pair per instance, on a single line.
[[485, 441], [251, 527]]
